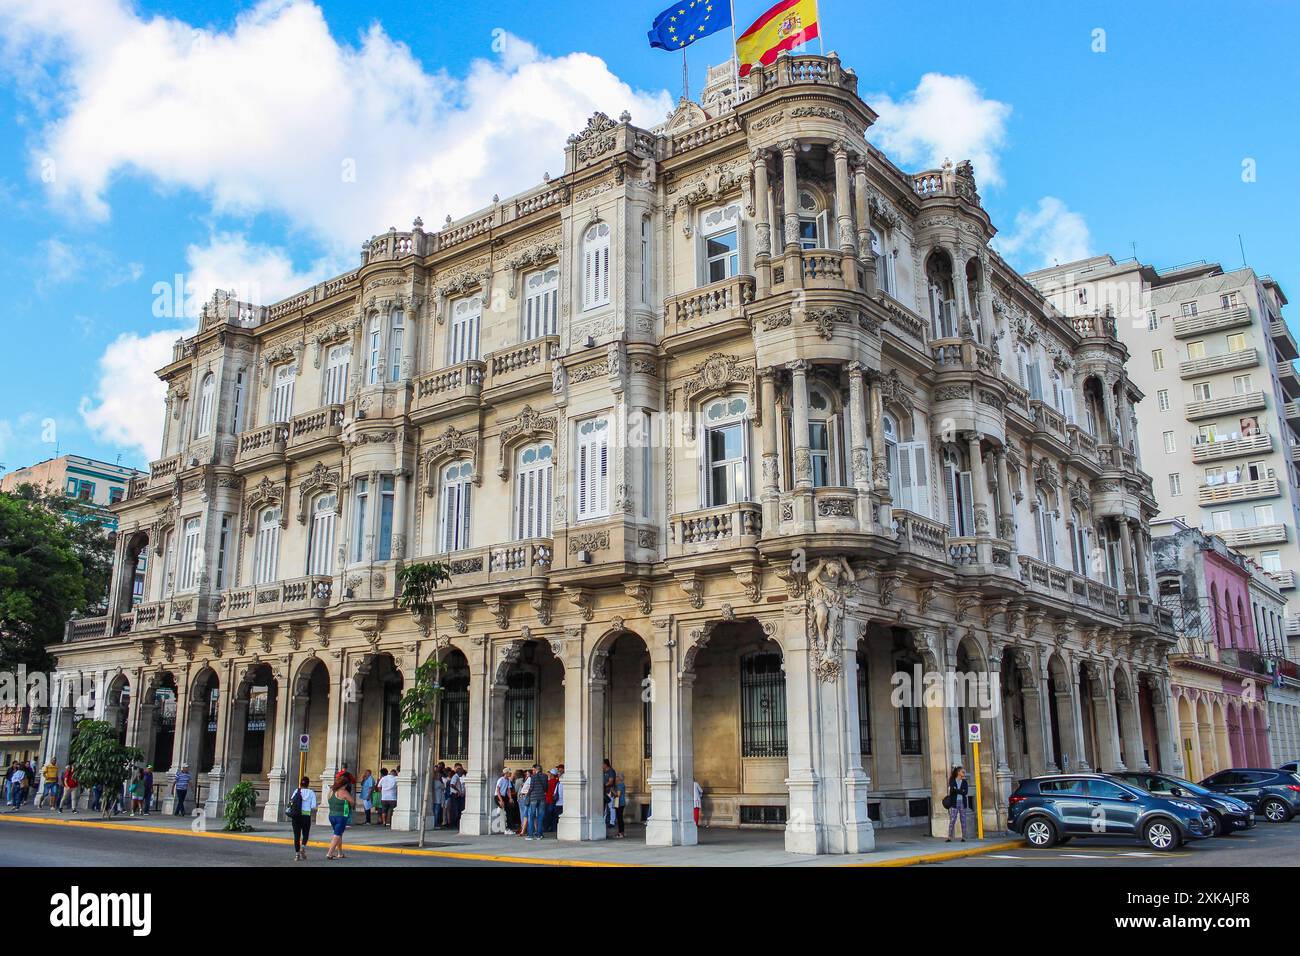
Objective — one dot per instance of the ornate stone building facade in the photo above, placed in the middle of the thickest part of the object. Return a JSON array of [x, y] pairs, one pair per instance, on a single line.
[[735, 438]]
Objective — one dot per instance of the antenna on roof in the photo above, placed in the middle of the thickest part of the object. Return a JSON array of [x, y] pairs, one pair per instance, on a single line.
[[1242, 247], [1135, 249]]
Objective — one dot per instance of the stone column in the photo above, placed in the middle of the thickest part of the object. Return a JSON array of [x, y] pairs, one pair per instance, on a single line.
[[414, 759], [1003, 778], [1048, 710], [790, 196], [939, 746], [844, 215], [229, 749], [983, 508], [401, 486], [802, 457], [1126, 545], [1109, 754], [1166, 727], [1141, 547], [1130, 719], [584, 738], [803, 830], [771, 493], [275, 779], [1006, 506], [762, 226], [487, 733], [879, 461], [863, 210], [1078, 755], [860, 458], [1036, 737], [672, 773]]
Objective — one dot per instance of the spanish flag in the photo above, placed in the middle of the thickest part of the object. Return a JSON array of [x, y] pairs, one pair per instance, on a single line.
[[787, 25]]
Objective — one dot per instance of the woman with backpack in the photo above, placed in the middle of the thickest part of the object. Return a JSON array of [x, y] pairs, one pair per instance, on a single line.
[[301, 807], [955, 801], [340, 805]]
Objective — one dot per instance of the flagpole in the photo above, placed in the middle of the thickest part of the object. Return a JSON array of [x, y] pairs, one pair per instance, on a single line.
[[686, 77], [735, 63], [821, 46]]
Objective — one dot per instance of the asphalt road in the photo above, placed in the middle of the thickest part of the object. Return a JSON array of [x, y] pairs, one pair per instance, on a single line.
[[34, 845], [1268, 844]]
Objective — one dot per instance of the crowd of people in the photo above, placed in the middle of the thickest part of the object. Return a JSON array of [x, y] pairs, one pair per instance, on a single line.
[[59, 790], [529, 803]]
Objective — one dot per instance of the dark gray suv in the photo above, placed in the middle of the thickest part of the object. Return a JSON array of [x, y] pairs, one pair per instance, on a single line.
[[1273, 794]]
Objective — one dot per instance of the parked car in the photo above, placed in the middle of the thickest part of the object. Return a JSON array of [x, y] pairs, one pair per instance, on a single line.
[[1273, 794], [1228, 813], [1057, 808]]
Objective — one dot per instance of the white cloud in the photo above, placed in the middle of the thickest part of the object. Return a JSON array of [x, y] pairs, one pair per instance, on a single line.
[[1046, 236], [127, 408], [276, 116], [945, 117]]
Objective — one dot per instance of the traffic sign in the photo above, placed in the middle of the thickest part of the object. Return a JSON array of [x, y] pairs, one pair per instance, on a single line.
[[973, 733], [303, 743]]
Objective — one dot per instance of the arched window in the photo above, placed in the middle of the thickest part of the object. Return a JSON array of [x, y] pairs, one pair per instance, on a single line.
[[266, 553], [338, 362], [282, 394], [595, 266], [541, 303], [726, 438], [374, 350], [959, 487], [825, 438], [396, 340], [533, 483], [466, 316], [457, 479], [207, 402], [814, 222], [1045, 529], [191, 556], [943, 297], [320, 536]]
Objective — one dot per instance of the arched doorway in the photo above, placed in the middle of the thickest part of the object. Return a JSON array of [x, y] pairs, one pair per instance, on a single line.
[[117, 705], [628, 723], [739, 730], [1060, 711], [158, 752], [251, 735], [309, 714], [379, 734], [453, 710]]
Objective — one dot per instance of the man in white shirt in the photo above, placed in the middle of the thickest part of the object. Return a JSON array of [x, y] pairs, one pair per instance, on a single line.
[[388, 796], [456, 793], [698, 801], [504, 792]]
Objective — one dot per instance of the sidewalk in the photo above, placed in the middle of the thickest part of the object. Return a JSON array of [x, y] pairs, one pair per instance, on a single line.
[[905, 846]]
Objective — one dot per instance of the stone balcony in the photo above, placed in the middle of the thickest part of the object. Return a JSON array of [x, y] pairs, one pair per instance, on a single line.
[[800, 70], [1215, 321], [1117, 458], [262, 446], [1230, 404], [1229, 492], [820, 510], [979, 555], [85, 629], [715, 529], [310, 432], [448, 390], [709, 309], [1214, 364], [298, 594], [1099, 325], [1260, 534], [1235, 447], [530, 560], [161, 475], [921, 536], [1050, 581], [521, 368]]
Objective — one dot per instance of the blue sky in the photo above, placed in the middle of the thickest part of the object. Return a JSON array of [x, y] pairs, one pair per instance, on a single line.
[[256, 145]]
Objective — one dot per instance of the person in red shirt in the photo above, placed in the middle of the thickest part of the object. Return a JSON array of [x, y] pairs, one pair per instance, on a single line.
[[346, 775], [69, 797]]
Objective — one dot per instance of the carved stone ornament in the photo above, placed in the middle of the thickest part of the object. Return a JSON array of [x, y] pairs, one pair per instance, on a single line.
[[719, 373], [265, 493], [829, 585], [451, 443], [319, 479], [527, 427]]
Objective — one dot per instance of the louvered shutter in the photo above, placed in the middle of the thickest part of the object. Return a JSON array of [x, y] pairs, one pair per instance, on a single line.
[[951, 482], [906, 498], [967, 504]]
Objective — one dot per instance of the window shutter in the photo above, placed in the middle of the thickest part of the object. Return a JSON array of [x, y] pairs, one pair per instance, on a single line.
[[1035, 382], [921, 478], [600, 501], [1038, 530], [464, 489], [967, 505], [1067, 405], [951, 480], [449, 516], [905, 478]]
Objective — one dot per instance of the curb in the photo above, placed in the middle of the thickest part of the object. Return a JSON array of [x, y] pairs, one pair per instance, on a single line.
[[913, 860]]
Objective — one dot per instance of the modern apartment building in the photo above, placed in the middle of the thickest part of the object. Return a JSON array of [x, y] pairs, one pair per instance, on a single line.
[[1218, 429], [95, 484], [724, 436]]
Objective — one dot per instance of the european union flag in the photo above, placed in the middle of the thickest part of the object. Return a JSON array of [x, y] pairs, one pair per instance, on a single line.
[[690, 20]]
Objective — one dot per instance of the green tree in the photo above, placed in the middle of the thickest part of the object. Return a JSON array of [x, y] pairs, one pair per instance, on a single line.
[[419, 706], [100, 759], [48, 570], [239, 804]]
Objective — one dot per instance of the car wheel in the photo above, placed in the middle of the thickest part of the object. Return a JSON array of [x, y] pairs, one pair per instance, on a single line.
[[1041, 833], [1276, 811], [1161, 834], [1217, 828]]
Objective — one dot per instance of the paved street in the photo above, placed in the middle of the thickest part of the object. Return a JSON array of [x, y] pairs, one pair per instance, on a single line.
[[1266, 845]]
